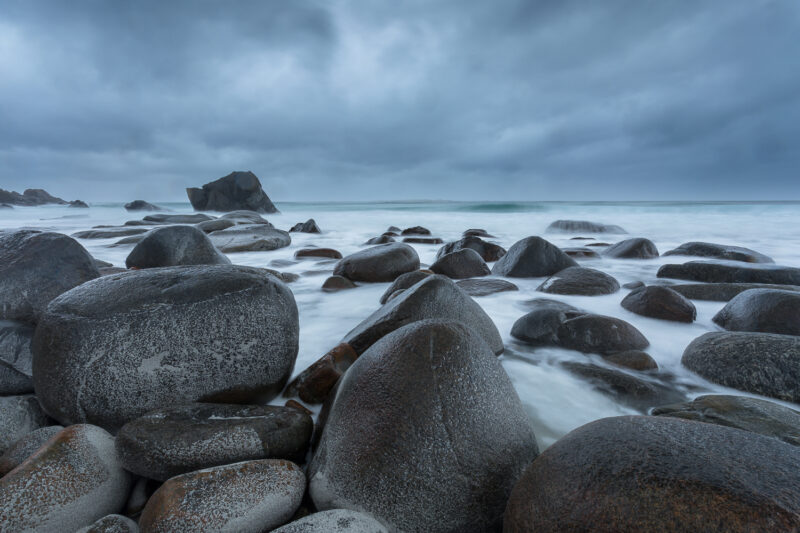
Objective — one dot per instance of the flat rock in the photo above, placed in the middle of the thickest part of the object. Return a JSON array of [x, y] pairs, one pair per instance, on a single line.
[[218, 224], [244, 216], [580, 281], [384, 262], [764, 310], [334, 521], [19, 416], [237, 190], [163, 218], [477, 232], [731, 272], [532, 257], [485, 287], [309, 226], [720, 251], [637, 248], [15, 358], [110, 233], [600, 334], [583, 226], [660, 302], [327, 253], [423, 240], [487, 250], [461, 264], [113, 523], [723, 292], [416, 230], [250, 238], [23, 447], [175, 246], [141, 205]]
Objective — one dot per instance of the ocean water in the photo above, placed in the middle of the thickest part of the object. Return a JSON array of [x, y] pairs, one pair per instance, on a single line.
[[556, 400]]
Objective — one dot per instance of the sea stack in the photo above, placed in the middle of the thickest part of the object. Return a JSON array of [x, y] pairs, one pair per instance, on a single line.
[[238, 190]]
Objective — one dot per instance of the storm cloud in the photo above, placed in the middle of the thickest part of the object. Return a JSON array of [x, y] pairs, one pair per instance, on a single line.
[[345, 100]]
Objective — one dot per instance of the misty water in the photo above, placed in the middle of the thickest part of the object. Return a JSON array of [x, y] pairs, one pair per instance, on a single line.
[[556, 400]]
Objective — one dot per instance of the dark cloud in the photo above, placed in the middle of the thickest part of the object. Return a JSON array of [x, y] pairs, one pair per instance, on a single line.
[[512, 99]]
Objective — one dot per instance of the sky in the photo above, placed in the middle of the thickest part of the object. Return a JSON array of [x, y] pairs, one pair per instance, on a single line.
[[420, 99]]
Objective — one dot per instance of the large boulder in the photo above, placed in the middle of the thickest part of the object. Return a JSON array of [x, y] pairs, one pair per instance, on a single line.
[[656, 474], [731, 272], [600, 334], [583, 226], [764, 310], [434, 297], [638, 248], [723, 292], [720, 251], [660, 302], [19, 415], [174, 246], [487, 250], [250, 238], [36, 267], [384, 262], [175, 440], [23, 447], [237, 190], [580, 281], [141, 205], [464, 263], [112, 523], [402, 282], [448, 463], [532, 257], [112, 349], [334, 521], [70, 482], [246, 497], [539, 326], [163, 218], [309, 226], [760, 363], [15, 358]]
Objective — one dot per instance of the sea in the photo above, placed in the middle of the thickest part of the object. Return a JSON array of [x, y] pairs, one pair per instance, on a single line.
[[557, 400]]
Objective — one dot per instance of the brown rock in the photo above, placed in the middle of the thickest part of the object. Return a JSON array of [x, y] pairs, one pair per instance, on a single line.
[[315, 382]]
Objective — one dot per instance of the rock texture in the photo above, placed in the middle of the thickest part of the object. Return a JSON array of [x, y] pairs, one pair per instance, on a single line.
[[175, 246], [532, 257], [485, 287], [404, 281], [384, 262], [660, 302], [720, 251], [113, 523], [15, 358], [237, 190], [723, 292], [24, 447], [19, 415], [600, 334], [580, 281], [764, 310]]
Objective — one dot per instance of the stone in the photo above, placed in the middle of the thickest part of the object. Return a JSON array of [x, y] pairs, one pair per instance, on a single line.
[[487, 250], [630, 390], [539, 327], [731, 272], [660, 302], [6, 206], [78, 479], [654, 474], [382, 239], [723, 292], [109, 233], [337, 283], [404, 281], [175, 440], [19, 415], [112, 349], [633, 285], [416, 230], [246, 497], [113, 523], [464, 263], [314, 384], [15, 358], [163, 218], [476, 232], [141, 205], [532, 257], [764, 310], [23, 447], [30, 197], [485, 287], [394, 229], [309, 226], [78, 203], [600, 334], [384, 262], [334, 521], [175, 246], [245, 216], [579, 281], [632, 249], [580, 252], [328, 253], [423, 240], [720, 251], [449, 463], [218, 224], [760, 363], [250, 238], [237, 190], [583, 226], [633, 359], [36, 267]]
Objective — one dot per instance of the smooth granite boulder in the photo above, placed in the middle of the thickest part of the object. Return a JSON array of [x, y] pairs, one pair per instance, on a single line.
[[448, 463], [218, 224], [141, 205], [539, 326], [723, 292], [720, 251], [580, 281], [175, 246], [381, 239], [632, 249], [109, 233], [464, 263], [19, 416], [309, 226], [113, 523], [318, 253], [660, 302], [404, 281], [334, 521], [731, 272], [764, 310], [632, 359], [487, 250], [337, 283], [384, 262], [244, 216], [600, 334], [15, 358], [532, 257], [583, 226], [23, 447], [112, 349], [485, 287], [164, 218], [250, 238], [416, 230], [237, 190]]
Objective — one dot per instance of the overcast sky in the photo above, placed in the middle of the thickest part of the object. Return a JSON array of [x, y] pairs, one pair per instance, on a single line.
[[463, 100]]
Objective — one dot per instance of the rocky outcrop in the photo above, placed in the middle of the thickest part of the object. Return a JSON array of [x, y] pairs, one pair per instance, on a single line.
[[532, 257], [237, 190], [141, 205], [31, 197], [720, 251]]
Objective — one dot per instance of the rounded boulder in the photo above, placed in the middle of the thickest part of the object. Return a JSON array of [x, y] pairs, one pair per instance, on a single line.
[[660, 302], [175, 246], [532, 257], [384, 262], [461, 264]]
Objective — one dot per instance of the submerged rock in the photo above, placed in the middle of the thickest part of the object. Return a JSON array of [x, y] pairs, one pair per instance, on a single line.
[[660, 302], [532, 257], [109, 233], [731, 272], [334, 521], [580, 281], [250, 238], [141, 205], [641, 394], [633, 359], [583, 226], [764, 310], [163, 218], [487, 250], [485, 287], [237, 190], [720, 251], [309, 226], [384, 262], [723, 292], [175, 246], [337, 283], [464, 263], [632, 249]]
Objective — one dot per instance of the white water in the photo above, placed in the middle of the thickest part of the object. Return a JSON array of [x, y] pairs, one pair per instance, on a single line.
[[556, 400]]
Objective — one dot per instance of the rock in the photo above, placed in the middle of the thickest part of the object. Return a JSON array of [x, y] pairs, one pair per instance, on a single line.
[[70, 482], [6, 206], [108, 271], [170, 441], [334, 521], [540, 326], [314, 384], [485, 287], [660, 302], [309, 226], [423, 240], [391, 233], [244, 216], [113, 523], [23, 447], [113, 349], [174, 246], [237, 190], [633, 285], [383, 239], [580, 252], [404, 281], [384, 262], [337, 283], [30, 197], [632, 249], [720, 251], [110, 233], [15, 358], [600, 334], [723, 292], [19, 415], [633, 359], [141, 205], [477, 233], [435, 297], [487, 250], [449, 463], [247, 497], [36, 267], [102, 264], [761, 363], [583, 226], [625, 388], [329, 253], [250, 238], [580, 281], [128, 240], [416, 230], [731, 272], [465, 263], [764, 310], [532, 257], [78, 203], [394, 229], [163, 218], [599, 244], [218, 224]]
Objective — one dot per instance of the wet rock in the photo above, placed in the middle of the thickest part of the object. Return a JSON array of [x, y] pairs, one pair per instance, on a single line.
[[540, 326], [36, 267], [218, 224], [23, 447], [485, 287], [19, 415], [163, 218], [337, 283], [110, 233], [580, 281], [487, 250], [583, 226], [237, 190], [465, 263], [633, 359], [6, 206], [634, 285], [314, 384], [761, 363], [731, 272], [250, 238], [660, 302], [174, 246], [723, 292], [720, 251], [380, 263], [391, 233], [477, 233], [630, 390], [78, 203], [77, 480], [416, 230], [632, 249], [128, 240], [532, 257], [247, 497], [600, 334], [580, 252], [383, 239], [394, 229], [655, 474], [309, 226], [113, 523], [244, 217], [434, 297], [119, 346], [141, 205], [15, 358], [30, 197], [334, 521], [423, 240], [108, 271], [599, 244], [449, 463], [329, 253], [404, 281], [764, 310], [174, 440]]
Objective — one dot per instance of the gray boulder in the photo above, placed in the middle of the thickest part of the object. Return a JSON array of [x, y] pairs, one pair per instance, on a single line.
[[404, 281], [539, 327], [731, 272], [163, 218], [720, 251], [218, 224], [334, 521], [237, 190], [660, 302], [175, 246], [487, 250], [244, 216], [113, 523], [532, 257], [309, 226], [638, 248], [15, 358], [384, 262], [250, 238], [141, 205], [764, 310], [723, 292], [109, 233], [19, 415], [583, 226], [464, 263], [580, 281], [23, 447], [382, 239], [600, 334], [485, 287]]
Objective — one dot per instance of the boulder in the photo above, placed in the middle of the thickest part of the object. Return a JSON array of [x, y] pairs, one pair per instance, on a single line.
[[71, 481], [23, 447], [579, 281], [760, 363], [384, 262], [465, 263], [314, 384], [764, 310], [141, 205], [113, 523], [36, 267], [477, 232], [382, 239], [539, 327], [163, 218], [580, 252], [19, 415], [423, 240], [78, 203], [485, 287], [449, 463], [660, 302], [532, 257], [720, 251], [325, 253], [250, 238], [15, 358], [416, 230], [633, 359], [113, 349], [174, 440], [246, 497], [583, 226], [334, 521], [435, 297], [6, 206], [632, 249], [655, 474], [175, 246], [731, 272], [600, 334], [337, 283], [218, 224], [309, 226], [487, 250], [237, 190], [30, 197], [109, 233], [723, 292], [633, 391], [244, 216], [404, 281]]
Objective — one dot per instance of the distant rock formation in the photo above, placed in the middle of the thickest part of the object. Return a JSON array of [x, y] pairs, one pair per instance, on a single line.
[[141, 205], [237, 190], [32, 197], [78, 203]]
